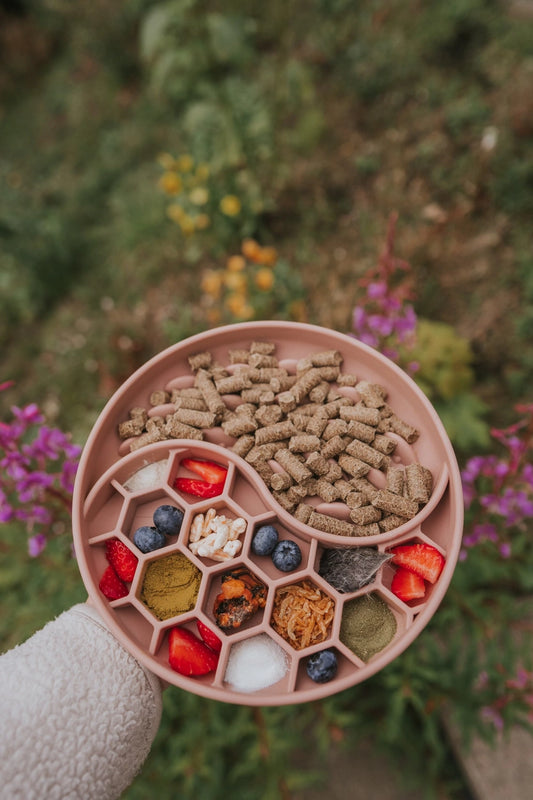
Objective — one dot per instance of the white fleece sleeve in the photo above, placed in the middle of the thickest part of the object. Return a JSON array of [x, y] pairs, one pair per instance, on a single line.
[[78, 713]]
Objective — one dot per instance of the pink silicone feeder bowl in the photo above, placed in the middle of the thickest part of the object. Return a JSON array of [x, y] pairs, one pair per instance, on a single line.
[[325, 451]]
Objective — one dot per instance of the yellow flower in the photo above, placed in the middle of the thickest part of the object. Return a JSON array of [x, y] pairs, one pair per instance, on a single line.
[[175, 212], [268, 256], [297, 311], [166, 161], [230, 205], [170, 183], [211, 282], [202, 172], [264, 279], [202, 222], [199, 196], [185, 163], [186, 224], [250, 249], [236, 281], [236, 264], [213, 316], [238, 305]]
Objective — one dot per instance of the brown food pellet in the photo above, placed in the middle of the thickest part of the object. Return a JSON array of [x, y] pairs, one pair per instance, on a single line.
[[200, 361], [319, 393], [403, 429], [389, 522], [419, 482], [263, 452], [243, 445], [372, 394], [184, 401], [347, 379], [209, 392], [316, 425], [268, 415], [372, 529], [233, 384], [198, 419], [254, 394], [365, 453], [129, 428], [304, 443], [344, 488], [286, 402], [159, 398], [238, 356], [284, 501], [317, 464], [238, 425], [305, 383], [364, 515], [273, 433], [363, 485], [326, 358], [334, 447], [146, 438], [360, 413], [303, 512], [334, 472], [260, 360], [395, 504], [353, 466], [355, 499], [298, 491], [180, 430], [384, 444], [265, 348], [335, 427], [264, 469], [292, 465], [280, 481], [329, 524], [327, 491], [361, 431], [282, 383], [395, 479]]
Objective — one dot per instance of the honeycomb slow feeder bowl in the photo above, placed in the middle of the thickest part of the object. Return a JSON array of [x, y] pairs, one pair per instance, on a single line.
[[109, 503]]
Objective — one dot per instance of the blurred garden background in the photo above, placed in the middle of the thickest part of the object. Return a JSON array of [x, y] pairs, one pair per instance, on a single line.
[[166, 167]]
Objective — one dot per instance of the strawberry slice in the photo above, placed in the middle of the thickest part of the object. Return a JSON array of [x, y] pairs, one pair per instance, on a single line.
[[208, 470], [210, 638], [198, 488], [407, 585], [111, 586], [121, 558], [422, 559], [188, 655]]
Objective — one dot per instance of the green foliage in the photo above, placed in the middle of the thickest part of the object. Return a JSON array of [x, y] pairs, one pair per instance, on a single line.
[[445, 374], [196, 62]]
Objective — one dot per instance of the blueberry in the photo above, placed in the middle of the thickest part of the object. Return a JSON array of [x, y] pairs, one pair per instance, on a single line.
[[322, 666], [168, 519], [264, 541], [286, 555], [148, 539]]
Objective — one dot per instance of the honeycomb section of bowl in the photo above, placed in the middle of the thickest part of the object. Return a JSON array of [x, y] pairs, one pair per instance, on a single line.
[[238, 596]]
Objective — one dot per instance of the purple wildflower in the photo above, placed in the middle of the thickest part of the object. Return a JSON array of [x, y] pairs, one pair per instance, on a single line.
[[37, 469]]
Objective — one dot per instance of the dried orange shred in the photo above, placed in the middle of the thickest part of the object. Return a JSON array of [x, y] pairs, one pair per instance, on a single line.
[[302, 614]]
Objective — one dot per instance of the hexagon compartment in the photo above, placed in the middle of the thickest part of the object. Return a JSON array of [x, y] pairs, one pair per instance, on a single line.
[[239, 473]]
